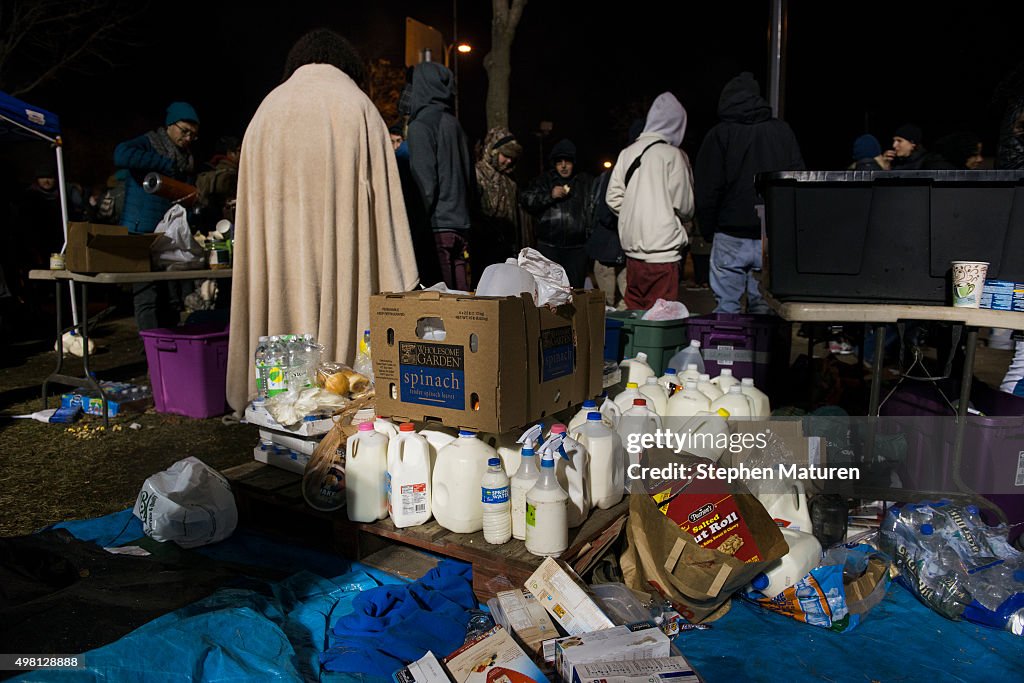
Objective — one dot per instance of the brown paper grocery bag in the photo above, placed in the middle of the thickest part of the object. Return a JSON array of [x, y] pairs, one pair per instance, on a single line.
[[698, 581]]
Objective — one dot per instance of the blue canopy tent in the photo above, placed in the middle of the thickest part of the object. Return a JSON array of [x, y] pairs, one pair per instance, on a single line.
[[22, 121]]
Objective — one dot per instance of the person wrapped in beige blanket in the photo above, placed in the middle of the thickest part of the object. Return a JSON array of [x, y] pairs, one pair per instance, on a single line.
[[321, 223]]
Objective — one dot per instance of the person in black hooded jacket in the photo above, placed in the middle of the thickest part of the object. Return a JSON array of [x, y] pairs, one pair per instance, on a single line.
[[747, 141], [442, 169], [562, 200]]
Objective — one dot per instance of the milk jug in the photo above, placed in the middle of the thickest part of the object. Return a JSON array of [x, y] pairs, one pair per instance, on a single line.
[[710, 390], [688, 402], [494, 499], [573, 471], [686, 356], [736, 402], [788, 508], [762, 406], [507, 445], [384, 426], [607, 462], [610, 412], [725, 380], [547, 507], [637, 368], [706, 434], [625, 399], [437, 436], [455, 491], [506, 279], [366, 470], [408, 477], [803, 556], [526, 476], [691, 373], [580, 418], [670, 380], [636, 422], [656, 395]]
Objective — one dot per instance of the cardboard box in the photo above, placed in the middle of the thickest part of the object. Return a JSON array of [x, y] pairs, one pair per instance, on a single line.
[[675, 669], [494, 657], [96, 248], [486, 363], [120, 399], [1003, 295], [312, 425], [526, 618], [424, 670], [565, 598], [642, 640]]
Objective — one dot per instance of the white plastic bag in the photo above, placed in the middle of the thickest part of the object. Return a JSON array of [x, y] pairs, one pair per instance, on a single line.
[[189, 503], [176, 247], [552, 283], [666, 310], [291, 407]]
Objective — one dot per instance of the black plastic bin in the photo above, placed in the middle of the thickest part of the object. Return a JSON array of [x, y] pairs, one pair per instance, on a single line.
[[888, 236]]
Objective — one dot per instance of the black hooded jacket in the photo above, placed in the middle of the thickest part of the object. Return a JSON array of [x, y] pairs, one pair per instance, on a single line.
[[439, 157], [561, 222], [746, 141]]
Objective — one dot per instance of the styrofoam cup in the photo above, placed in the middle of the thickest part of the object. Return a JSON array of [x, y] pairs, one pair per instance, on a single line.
[[968, 283]]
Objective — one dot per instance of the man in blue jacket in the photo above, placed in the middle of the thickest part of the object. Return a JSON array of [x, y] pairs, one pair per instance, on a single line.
[[164, 151]]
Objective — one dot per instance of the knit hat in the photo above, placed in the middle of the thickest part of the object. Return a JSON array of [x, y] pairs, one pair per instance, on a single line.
[[563, 149], [180, 111], [866, 147], [509, 146], [910, 133]]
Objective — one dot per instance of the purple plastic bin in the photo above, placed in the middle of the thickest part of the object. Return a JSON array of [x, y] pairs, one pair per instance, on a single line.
[[188, 369], [755, 346]]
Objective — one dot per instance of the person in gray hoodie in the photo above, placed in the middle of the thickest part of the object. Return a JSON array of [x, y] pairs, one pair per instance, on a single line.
[[746, 141], [442, 169]]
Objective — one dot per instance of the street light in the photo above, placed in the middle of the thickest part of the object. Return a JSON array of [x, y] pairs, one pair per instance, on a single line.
[[453, 64]]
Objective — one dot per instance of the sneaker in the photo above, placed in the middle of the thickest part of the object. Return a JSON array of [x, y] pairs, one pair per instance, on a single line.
[[840, 347]]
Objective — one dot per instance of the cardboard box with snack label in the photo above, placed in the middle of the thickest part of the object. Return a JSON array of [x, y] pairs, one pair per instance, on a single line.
[[641, 640], [493, 657], [565, 597]]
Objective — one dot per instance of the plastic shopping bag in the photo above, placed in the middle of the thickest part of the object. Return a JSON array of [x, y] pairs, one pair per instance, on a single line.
[[552, 283], [666, 310], [176, 248], [189, 503]]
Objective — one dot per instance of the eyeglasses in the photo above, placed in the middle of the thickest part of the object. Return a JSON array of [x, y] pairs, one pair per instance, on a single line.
[[187, 132]]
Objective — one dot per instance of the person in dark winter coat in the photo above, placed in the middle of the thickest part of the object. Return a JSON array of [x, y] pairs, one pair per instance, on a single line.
[[442, 169], [959, 151], [497, 232], [867, 154], [908, 152], [562, 201], [746, 141]]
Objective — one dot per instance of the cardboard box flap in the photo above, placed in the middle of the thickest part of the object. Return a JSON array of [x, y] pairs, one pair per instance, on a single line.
[[117, 243]]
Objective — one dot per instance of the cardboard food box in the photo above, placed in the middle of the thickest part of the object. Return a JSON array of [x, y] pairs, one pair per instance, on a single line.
[[527, 618], [566, 599], [96, 248], [424, 670], [485, 363], [675, 669], [642, 640], [119, 395], [494, 657]]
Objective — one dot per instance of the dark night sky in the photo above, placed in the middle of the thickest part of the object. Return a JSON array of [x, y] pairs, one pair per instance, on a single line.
[[850, 65]]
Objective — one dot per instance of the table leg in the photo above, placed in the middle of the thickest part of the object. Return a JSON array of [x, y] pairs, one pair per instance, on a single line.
[[877, 367], [60, 346], [85, 354]]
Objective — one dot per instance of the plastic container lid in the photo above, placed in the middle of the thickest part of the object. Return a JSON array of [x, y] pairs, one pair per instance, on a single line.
[[493, 462], [726, 371], [747, 381], [590, 404], [593, 416], [973, 509], [670, 371], [466, 433], [547, 462], [366, 426], [407, 427], [632, 385], [735, 389], [558, 428], [695, 343], [927, 529], [639, 401], [691, 366], [760, 581], [527, 451]]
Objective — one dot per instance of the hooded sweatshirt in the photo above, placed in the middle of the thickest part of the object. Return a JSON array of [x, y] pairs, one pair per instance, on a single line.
[[746, 141], [659, 191], [439, 158]]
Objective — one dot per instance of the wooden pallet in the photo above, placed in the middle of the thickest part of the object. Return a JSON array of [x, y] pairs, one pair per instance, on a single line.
[[271, 499]]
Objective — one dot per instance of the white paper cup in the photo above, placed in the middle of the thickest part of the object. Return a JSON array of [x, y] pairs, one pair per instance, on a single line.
[[968, 283]]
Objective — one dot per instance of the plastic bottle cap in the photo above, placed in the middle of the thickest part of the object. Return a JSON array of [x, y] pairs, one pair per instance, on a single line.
[[747, 382], [558, 428], [760, 582], [407, 427], [695, 343], [722, 412], [465, 433], [590, 404], [527, 452], [632, 385], [927, 529], [493, 462], [366, 426], [593, 416], [639, 401], [727, 372], [704, 377], [547, 462], [972, 509], [670, 371], [641, 356], [735, 389]]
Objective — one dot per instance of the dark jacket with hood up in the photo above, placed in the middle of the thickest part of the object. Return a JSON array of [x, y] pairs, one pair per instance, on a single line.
[[561, 222], [746, 141], [439, 157]]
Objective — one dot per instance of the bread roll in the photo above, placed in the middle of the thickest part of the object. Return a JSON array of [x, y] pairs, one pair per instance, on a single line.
[[338, 383]]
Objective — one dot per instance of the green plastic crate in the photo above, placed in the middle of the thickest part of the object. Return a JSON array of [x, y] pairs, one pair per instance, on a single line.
[[659, 339]]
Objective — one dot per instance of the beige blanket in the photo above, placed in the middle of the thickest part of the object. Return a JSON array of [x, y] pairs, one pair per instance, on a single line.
[[321, 222]]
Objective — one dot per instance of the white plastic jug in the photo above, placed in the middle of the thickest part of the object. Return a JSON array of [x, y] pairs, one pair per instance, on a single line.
[[788, 508], [635, 422], [736, 402], [705, 386], [547, 507], [607, 462], [656, 395], [366, 471], [573, 471], [803, 556], [610, 413], [580, 418], [408, 478], [507, 445], [691, 373], [526, 476], [455, 489], [637, 368], [685, 356], [688, 402], [384, 426], [670, 380], [725, 380], [706, 434], [625, 399], [506, 279], [438, 436], [762, 405]]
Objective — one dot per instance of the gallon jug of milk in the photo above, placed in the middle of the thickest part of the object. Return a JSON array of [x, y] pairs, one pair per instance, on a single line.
[[366, 471], [691, 373], [762, 406], [506, 279], [610, 412], [607, 461], [547, 507], [803, 556], [526, 476], [438, 436], [625, 399], [636, 422], [736, 402], [710, 390], [686, 356], [789, 507], [408, 478], [573, 471], [656, 395], [688, 402], [455, 488], [706, 434], [384, 426], [507, 445], [725, 380], [670, 380], [637, 369], [580, 418]]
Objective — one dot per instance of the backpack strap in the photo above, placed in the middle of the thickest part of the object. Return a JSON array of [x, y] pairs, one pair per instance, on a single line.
[[636, 162]]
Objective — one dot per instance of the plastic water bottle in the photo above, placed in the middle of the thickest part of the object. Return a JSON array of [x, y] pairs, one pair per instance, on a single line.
[[277, 361], [525, 478], [495, 497], [686, 356], [261, 365], [547, 507]]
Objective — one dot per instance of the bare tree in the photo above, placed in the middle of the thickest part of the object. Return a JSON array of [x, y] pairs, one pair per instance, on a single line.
[[40, 38], [498, 62]]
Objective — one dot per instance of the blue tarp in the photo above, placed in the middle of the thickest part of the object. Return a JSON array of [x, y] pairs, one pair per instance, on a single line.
[[14, 111]]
